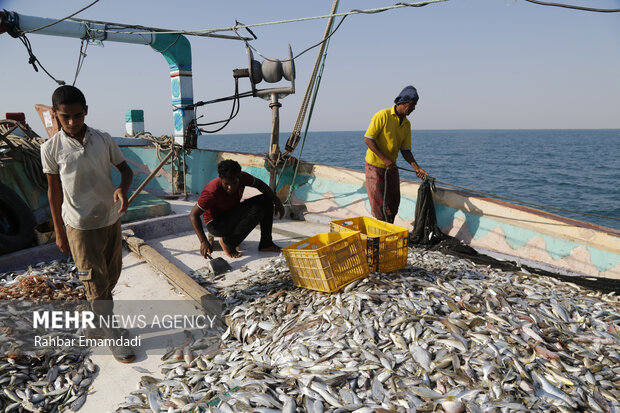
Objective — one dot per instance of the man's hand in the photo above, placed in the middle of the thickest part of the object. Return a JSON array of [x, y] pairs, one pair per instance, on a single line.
[[62, 242], [421, 173], [279, 207], [119, 194], [206, 248], [389, 164]]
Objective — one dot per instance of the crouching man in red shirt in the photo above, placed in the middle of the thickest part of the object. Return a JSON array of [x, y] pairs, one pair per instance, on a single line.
[[229, 218]]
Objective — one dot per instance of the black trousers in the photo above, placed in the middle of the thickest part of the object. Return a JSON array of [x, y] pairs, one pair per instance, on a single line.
[[236, 224]]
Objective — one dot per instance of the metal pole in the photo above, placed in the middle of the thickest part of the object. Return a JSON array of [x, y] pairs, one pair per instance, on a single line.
[[184, 177], [274, 146], [148, 179]]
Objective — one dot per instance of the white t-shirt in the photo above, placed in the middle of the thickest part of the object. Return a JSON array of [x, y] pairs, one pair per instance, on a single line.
[[86, 176]]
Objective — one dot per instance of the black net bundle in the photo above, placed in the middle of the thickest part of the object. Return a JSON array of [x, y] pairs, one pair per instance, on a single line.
[[426, 234]]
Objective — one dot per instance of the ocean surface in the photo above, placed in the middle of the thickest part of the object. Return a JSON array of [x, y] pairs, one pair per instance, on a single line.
[[576, 170]]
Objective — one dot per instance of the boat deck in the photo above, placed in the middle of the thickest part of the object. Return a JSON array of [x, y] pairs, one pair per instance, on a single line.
[[141, 283]]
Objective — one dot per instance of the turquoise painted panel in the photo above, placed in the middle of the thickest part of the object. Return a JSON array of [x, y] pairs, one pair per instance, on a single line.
[[519, 237], [406, 210], [260, 173], [445, 216], [603, 260], [176, 87], [558, 248], [134, 115], [178, 120], [343, 193], [147, 157], [175, 48], [201, 168]]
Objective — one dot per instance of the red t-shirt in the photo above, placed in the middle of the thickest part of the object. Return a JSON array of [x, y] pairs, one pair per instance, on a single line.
[[214, 199]]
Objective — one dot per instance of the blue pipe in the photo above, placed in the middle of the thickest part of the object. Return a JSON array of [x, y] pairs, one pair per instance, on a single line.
[[175, 48]]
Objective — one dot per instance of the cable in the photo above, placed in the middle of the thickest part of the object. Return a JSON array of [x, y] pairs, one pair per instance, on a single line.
[[235, 106], [63, 19], [517, 200], [80, 61], [570, 6], [203, 32], [315, 82], [33, 59], [303, 52], [293, 140], [385, 185]]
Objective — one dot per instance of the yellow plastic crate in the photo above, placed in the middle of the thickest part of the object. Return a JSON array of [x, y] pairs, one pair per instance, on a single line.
[[327, 261], [385, 244]]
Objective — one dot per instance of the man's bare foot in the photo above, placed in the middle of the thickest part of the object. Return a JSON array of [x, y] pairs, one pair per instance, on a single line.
[[270, 248], [231, 252]]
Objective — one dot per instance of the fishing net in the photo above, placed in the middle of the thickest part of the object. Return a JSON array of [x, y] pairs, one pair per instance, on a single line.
[[427, 235]]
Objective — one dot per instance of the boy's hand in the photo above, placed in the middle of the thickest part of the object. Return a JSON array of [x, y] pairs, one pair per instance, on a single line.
[[118, 194], [62, 242]]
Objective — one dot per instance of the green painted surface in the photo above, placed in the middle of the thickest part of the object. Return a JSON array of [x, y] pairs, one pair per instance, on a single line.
[[148, 158], [517, 237], [342, 193], [201, 168], [175, 48], [13, 175], [146, 206], [134, 115], [603, 260]]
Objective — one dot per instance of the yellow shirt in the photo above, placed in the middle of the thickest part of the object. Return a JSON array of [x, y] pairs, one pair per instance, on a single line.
[[390, 134]]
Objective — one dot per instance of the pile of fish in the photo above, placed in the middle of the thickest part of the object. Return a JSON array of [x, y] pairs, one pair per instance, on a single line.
[[40, 379], [441, 334], [44, 281]]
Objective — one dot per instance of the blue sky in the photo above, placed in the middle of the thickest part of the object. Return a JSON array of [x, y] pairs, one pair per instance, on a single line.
[[477, 64]]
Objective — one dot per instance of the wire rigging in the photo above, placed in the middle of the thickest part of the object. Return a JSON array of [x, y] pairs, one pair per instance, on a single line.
[[234, 111], [570, 6], [202, 32], [302, 52], [313, 89], [81, 58], [63, 19], [33, 59]]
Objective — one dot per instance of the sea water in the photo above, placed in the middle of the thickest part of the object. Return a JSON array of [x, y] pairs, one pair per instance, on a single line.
[[577, 170]]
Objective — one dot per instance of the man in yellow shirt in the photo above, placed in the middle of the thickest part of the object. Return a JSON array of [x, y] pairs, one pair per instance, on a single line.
[[388, 133]]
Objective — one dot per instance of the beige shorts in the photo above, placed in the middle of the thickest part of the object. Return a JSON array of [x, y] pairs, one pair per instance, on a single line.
[[98, 255]]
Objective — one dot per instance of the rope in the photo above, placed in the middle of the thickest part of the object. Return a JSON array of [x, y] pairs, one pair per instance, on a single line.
[[517, 200], [245, 26], [570, 6], [64, 18], [293, 140], [33, 59], [165, 143], [28, 148], [300, 53], [80, 61], [385, 185], [317, 83]]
